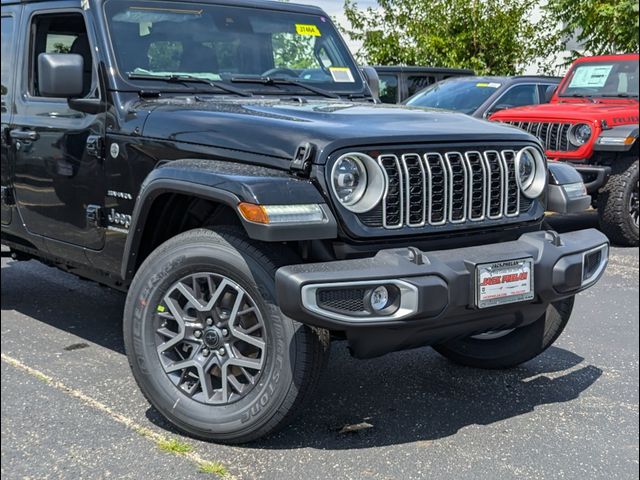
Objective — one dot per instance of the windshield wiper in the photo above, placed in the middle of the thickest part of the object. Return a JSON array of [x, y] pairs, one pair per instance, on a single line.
[[191, 79], [618, 95], [284, 81], [576, 95]]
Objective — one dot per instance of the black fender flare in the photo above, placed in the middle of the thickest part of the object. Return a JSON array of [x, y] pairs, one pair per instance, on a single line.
[[559, 199], [613, 139], [229, 183]]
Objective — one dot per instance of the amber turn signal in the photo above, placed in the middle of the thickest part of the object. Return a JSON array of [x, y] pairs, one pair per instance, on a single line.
[[253, 213]]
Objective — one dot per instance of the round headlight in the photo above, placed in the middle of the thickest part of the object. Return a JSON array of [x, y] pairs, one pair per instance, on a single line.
[[531, 169], [527, 169], [580, 134], [357, 181], [349, 179]]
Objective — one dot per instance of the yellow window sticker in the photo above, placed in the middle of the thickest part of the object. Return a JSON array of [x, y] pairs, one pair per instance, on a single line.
[[489, 85], [308, 30]]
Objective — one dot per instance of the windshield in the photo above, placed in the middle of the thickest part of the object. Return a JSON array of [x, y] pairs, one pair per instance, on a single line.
[[458, 95], [229, 44], [602, 79]]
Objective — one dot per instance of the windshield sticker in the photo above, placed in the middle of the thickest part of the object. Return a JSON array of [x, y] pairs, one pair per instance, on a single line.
[[590, 76], [308, 30], [341, 74], [488, 85]]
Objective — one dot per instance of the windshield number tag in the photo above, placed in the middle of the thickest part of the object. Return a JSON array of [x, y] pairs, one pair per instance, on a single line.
[[308, 30]]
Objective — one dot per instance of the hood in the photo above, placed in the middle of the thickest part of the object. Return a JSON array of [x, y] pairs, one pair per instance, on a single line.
[[276, 128], [614, 112]]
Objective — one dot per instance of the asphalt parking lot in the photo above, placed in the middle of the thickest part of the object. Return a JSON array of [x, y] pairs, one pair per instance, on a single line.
[[71, 409]]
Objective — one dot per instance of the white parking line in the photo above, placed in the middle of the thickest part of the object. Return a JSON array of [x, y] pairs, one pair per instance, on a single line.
[[118, 417]]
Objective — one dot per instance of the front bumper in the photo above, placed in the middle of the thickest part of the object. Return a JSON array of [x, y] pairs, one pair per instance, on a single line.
[[440, 288], [593, 176]]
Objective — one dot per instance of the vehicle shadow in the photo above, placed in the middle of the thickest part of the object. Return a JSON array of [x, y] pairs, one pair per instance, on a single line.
[[83, 308], [403, 397], [418, 396]]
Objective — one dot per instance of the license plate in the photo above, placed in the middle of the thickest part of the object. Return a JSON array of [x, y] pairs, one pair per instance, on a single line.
[[504, 282]]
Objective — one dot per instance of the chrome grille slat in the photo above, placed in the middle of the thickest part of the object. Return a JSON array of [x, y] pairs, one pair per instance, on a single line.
[[457, 187], [495, 185], [415, 197], [438, 195], [392, 205], [511, 188], [477, 186]]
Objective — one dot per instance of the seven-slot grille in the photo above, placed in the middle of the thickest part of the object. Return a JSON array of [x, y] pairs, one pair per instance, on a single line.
[[554, 136], [453, 187]]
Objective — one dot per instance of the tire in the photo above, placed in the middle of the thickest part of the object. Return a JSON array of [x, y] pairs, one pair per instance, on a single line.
[[281, 359], [618, 203], [514, 347]]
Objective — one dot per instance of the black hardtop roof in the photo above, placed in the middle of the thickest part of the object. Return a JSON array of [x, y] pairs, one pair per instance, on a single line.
[[416, 69], [504, 79], [269, 4]]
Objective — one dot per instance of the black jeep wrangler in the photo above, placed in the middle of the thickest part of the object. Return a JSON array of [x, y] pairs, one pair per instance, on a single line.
[[227, 164]]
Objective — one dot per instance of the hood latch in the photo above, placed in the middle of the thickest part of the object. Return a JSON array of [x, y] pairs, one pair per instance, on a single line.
[[303, 159]]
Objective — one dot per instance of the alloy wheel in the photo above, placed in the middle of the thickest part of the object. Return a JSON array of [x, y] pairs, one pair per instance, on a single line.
[[211, 338]]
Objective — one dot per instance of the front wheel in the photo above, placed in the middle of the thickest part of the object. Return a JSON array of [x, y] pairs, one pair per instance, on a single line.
[[618, 205], [509, 348], [207, 344]]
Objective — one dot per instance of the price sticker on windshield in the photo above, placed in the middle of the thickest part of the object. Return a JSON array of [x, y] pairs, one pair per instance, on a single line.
[[341, 74], [308, 30]]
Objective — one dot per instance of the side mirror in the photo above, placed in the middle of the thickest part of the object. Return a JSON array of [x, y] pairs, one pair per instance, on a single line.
[[371, 76], [60, 75], [548, 93]]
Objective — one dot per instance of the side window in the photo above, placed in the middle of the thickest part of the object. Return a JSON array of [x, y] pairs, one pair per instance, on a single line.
[[8, 54], [418, 82], [518, 96], [545, 92], [59, 33], [388, 88]]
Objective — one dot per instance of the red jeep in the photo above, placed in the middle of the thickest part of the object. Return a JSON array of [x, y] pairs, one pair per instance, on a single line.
[[592, 122]]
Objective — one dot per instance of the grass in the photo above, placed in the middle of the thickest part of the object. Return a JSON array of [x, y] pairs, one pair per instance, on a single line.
[[174, 446], [42, 377], [215, 468]]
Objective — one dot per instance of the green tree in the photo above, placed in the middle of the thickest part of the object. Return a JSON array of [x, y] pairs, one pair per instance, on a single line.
[[293, 51], [600, 26], [60, 47], [488, 36]]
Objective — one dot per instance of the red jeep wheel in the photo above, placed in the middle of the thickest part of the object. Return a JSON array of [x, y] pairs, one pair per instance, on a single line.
[[618, 204]]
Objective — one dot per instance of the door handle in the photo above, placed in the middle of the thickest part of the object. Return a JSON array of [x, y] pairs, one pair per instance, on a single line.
[[19, 134]]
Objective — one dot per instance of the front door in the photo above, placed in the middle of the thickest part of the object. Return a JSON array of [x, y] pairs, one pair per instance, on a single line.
[[56, 176], [10, 19]]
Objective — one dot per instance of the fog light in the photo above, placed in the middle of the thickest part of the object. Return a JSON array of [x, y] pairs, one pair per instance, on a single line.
[[379, 299]]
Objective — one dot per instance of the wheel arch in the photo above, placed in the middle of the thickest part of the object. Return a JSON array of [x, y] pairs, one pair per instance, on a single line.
[[191, 193], [167, 207]]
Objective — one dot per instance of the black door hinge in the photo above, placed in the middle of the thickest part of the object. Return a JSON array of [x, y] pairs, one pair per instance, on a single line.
[[95, 146], [96, 216], [303, 159], [8, 198]]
